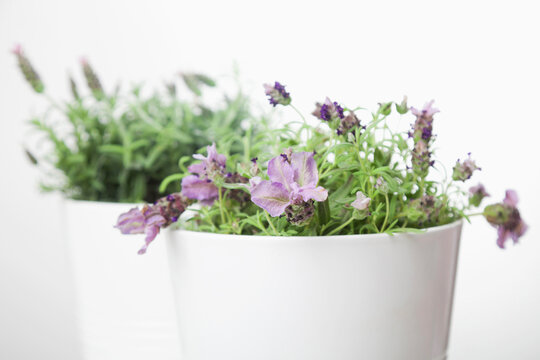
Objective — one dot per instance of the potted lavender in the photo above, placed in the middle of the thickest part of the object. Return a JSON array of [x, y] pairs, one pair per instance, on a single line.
[[334, 242], [103, 150]]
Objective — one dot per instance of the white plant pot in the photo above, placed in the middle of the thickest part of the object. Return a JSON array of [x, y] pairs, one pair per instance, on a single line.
[[373, 297], [124, 300]]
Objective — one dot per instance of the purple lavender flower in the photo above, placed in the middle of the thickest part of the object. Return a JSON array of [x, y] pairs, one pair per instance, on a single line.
[[463, 170], [328, 111], [291, 183], [152, 218], [277, 94], [201, 186], [478, 193], [422, 134], [506, 218], [349, 122], [30, 74]]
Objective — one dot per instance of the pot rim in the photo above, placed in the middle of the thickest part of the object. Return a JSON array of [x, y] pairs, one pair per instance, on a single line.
[[431, 230]]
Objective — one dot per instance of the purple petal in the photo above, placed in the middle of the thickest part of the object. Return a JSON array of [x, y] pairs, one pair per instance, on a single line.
[[131, 222], [271, 196], [151, 233], [198, 189], [197, 168], [318, 194], [503, 235], [280, 171], [305, 169], [511, 198]]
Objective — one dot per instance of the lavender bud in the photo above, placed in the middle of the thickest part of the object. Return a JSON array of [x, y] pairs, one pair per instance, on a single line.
[[464, 171], [402, 107], [276, 94], [92, 79], [30, 74], [478, 193]]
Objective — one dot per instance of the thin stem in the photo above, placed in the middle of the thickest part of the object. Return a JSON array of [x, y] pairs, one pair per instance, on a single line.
[[221, 205], [341, 226], [475, 214], [298, 112], [387, 212], [271, 223]]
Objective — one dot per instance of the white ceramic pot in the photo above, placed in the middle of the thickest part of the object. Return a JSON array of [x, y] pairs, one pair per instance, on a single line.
[[124, 300], [373, 297]]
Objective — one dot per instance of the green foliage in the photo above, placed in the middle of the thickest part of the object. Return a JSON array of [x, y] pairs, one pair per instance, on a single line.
[[371, 159], [119, 147]]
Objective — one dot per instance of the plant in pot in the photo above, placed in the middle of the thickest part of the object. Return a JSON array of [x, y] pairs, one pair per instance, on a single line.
[[102, 149], [334, 242]]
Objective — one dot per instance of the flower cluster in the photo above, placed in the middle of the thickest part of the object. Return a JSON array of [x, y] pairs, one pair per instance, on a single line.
[[328, 184]]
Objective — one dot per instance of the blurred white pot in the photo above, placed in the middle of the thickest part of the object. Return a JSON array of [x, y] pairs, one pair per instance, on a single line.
[[375, 297], [124, 300]]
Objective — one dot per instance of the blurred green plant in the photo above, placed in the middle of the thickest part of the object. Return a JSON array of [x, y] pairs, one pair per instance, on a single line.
[[117, 146]]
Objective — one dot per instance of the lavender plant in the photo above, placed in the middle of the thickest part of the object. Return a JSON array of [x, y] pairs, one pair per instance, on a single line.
[[342, 176], [118, 146]]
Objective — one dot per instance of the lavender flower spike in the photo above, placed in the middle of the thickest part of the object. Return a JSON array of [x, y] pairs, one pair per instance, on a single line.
[[293, 180], [30, 74], [478, 193], [152, 218], [506, 218], [277, 94]]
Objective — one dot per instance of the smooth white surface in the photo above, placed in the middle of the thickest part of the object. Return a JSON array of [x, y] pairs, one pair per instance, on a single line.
[[478, 59], [124, 301], [376, 297]]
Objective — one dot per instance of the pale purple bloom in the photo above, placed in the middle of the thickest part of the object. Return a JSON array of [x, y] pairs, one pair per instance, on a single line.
[[427, 112], [362, 201], [201, 186], [292, 181], [277, 94], [151, 218], [506, 218]]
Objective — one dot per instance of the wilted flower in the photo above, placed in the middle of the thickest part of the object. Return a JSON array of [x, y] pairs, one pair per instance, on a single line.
[[478, 193], [506, 218], [292, 182], [349, 122], [152, 218], [92, 79], [422, 133], [28, 70], [362, 201], [201, 186], [277, 94], [463, 171]]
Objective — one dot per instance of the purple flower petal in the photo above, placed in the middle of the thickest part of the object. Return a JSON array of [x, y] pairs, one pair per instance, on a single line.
[[362, 201], [280, 171], [131, 222], [271, 196], [198, 189], [151, 233], [305, 169], [197, 168], [318, 194], [511, 198]]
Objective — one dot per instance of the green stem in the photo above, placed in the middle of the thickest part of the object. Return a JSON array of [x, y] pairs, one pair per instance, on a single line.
[[298, 112], [341, 226], [220, 194], [475, 214], [271, 223], [387, 212]]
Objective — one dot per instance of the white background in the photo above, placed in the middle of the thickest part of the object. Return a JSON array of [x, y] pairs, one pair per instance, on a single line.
[[479, 60]]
